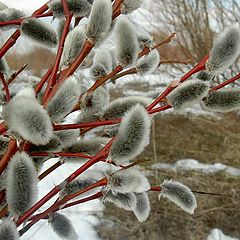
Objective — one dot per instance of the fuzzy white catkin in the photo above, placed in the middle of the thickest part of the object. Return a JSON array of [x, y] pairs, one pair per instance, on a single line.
[[54, 145], [142, 208], [68, 137], [62, 226], [25, 116], [8, 14], [126, 42], [188, 93], [179, 194], [223, 100], [87, 146], [102, 64], [21, 183], [148, 63], [3, 144], [125, 201], [129, 180], [120, 106], [205, 76], [133, 135], [225, 50], [4, 68], [8, 230], [73, 45], [64, 100], [79, 8], [129, 6], [100, 20], [145, 40], [39, 31], [96, 101]]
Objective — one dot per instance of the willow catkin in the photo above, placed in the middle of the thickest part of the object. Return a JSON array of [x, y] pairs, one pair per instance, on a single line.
[[188, 94], [126, 42], [129, 6], [3, 144], [144, 40], [133, 135], [129, 180], [9, 14], [68, 137], [25, 116], [21, 183], [79, 8], [125, 201], [118, 107], [148, 63], [64, 100], [62, 226], [100, 20], [73, 45], [39, 31], [205, 76], [225, 50], [54, 145], [223, 100], [179, 194], [102, 64], [142, 208], [87, 146], [96, 101], [8, 230], [4, 68]]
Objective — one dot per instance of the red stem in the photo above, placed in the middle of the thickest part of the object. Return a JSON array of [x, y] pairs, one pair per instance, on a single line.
[[40, 85], [59, 154], [5, 86]]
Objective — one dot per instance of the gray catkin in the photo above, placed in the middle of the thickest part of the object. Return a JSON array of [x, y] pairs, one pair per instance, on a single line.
[[54, 145], [126, 42], [125, 201], [102, 64], [8, 230], [25, 116], [179, 194], [205, 76], [8, 14], [73, 46], [4, 68], [187, 94], [79, 8], [21, 183], [142, 209], [144, 40], [68, 137], [62, 226], [120, 106], [223, 100], [64, 100], [3, 144], [96, 101], [87, 146], [129, 180], [148, 63], [225, 50], [39, 31], [100, 20], [129, 6], [133, 135]]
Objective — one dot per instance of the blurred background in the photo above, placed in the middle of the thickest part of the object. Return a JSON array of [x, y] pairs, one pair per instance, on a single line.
[[197, 148]]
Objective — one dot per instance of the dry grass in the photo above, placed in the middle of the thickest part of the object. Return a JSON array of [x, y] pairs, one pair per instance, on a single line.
[[207, 140]]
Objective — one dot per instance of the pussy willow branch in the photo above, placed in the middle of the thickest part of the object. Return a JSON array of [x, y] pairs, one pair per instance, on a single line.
[[53, 77], [100, 155], [14, 37]]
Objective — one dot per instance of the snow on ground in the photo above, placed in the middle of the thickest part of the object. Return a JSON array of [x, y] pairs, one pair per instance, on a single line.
[[217, 234], [194, 165]]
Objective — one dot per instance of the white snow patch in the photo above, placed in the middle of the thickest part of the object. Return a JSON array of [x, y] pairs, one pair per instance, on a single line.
[[217, 234], [191, 164]]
